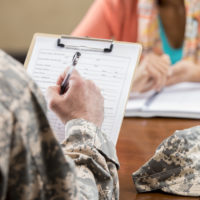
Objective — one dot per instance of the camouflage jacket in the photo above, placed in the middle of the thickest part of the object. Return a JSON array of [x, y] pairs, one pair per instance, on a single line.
[[33, 165]]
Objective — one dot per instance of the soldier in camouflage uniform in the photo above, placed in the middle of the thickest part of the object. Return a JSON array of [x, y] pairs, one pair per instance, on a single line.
[[175, 167], [32, 163]]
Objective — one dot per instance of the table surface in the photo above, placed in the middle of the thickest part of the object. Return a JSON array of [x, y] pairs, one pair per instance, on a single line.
[[138, 140]]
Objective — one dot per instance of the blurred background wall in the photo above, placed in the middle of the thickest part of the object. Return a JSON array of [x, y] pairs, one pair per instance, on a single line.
[[20, 19]]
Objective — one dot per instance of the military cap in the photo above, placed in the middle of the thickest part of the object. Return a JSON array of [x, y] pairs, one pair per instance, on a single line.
[[175, 166]]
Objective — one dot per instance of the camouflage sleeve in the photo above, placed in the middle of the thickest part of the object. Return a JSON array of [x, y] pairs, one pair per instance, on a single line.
[[32, 162], [95, 159]]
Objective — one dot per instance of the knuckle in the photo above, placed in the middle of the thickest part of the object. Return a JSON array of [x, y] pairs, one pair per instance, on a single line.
[[52, 104], [91, 83], [151, 56], [78, 82], [147, 59]]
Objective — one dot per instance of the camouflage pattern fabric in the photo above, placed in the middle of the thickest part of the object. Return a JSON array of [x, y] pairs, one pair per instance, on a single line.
[[33, 165], [175, 166]]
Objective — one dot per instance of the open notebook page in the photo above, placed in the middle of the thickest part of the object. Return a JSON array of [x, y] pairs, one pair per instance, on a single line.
[[180, 100], [182, 97], [112, 72]]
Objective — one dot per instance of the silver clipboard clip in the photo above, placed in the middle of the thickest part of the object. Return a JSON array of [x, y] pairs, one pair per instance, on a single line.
[[64, 43]]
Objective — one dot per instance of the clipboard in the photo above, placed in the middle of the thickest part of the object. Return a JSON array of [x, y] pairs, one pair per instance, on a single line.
[[110, 64]]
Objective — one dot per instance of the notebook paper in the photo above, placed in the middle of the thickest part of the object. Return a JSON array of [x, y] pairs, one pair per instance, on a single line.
[[111, 72], [181, 100]]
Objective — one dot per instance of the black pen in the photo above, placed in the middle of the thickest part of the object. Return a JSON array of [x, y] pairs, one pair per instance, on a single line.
[[65, 84]]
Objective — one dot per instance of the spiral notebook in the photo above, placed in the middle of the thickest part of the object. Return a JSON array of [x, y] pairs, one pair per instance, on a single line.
[[110, 64]]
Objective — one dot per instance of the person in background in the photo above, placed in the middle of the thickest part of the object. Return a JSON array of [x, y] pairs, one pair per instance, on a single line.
[[168, 30], [33, 165]]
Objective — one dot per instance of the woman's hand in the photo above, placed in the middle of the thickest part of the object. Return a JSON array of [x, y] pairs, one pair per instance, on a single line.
[[184, 71], [152, 73]]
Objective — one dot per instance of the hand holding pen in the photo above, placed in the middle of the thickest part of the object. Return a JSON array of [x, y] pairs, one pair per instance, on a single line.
[[83, 99], [65, 84]]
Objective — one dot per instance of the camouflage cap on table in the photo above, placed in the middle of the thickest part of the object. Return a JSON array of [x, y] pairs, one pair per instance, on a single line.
[[175, 166]]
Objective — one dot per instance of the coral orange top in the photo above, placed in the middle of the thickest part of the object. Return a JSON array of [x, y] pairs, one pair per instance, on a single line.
[[137, 21], [116, 19]]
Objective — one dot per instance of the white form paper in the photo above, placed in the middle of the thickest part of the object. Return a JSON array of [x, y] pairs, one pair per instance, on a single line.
[[112, 73]]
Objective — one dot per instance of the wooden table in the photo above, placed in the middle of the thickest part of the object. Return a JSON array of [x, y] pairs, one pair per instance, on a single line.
[[138, 140]]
